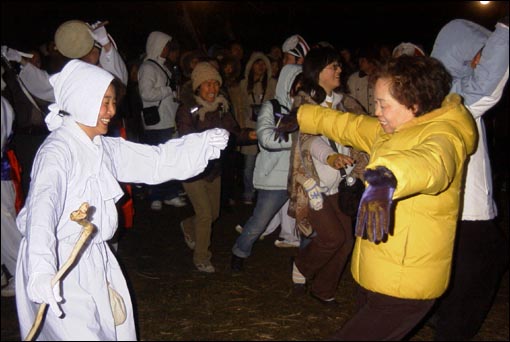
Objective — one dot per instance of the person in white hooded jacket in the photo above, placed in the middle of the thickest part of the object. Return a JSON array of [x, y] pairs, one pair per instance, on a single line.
[[77, 164], [478, 62], [155, 90]]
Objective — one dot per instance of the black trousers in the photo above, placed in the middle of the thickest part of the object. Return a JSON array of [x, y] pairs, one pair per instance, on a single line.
[[382, 318], [479, 261]]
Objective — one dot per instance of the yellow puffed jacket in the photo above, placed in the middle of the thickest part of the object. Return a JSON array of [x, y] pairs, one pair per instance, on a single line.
[[427, 157]]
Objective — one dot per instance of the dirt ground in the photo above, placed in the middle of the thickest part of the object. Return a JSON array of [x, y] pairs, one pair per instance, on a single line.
[[173, 301]]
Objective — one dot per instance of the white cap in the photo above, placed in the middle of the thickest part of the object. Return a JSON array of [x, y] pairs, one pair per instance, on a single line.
[[296, 46]]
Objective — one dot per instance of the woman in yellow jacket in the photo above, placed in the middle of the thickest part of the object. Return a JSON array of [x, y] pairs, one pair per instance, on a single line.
[[418, 144]]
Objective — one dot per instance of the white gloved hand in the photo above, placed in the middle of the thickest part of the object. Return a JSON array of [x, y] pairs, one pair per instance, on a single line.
[[217, 137], [11, 54], [314, 193], [99, 34], [39, 290]]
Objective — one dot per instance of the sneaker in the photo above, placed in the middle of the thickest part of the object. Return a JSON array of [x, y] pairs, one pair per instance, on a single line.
[[206, 267], [177, 202], [187, 238], [286, 244], [236, 263], [156, 205], [9, 290], [239, 229]]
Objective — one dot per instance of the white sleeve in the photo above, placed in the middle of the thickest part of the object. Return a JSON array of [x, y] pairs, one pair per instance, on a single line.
[[180, 158], [37, 82], [112, 62]]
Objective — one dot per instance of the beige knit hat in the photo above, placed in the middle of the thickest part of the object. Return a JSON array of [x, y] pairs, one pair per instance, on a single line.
[[73, 39], [204, 71]]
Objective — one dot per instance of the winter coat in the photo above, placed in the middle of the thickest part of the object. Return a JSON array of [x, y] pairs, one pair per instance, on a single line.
[[192, 118], [272, 163], [427, 157], [482, 87]]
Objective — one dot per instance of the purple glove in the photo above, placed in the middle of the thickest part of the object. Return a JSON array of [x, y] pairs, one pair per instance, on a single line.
[[374, 213], [286, 124]]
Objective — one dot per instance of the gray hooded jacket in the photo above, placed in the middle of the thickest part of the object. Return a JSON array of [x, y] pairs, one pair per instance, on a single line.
[[455, 46], [272, 164]]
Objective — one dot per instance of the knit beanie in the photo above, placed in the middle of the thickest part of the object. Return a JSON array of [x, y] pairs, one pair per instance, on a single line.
[[204, 71]]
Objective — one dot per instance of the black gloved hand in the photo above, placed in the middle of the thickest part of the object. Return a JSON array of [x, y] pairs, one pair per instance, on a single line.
[[374, 213], [287, 123]]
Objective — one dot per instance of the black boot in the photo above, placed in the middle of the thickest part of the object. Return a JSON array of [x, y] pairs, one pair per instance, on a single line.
[[236, 264]]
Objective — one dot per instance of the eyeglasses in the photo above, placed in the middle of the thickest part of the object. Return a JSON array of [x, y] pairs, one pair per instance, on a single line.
[[334, 67]]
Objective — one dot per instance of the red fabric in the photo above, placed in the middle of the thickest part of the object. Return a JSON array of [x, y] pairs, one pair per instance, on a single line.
[[128, 211], [16, 179]]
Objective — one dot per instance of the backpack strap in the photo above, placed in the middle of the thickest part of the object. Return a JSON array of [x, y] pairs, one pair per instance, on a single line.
[[168, 80]]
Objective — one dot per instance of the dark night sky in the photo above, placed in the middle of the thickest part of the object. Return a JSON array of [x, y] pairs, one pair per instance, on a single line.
[[257, 24]]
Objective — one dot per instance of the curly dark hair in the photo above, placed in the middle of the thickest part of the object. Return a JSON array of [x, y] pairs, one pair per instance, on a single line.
[[316, 60], [419, 81]]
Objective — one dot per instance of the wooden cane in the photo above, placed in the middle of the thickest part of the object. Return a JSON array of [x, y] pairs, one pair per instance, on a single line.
[[80, 217]]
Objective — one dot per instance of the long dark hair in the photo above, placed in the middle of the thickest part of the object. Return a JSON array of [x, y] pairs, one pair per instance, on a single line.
[[316, 60]]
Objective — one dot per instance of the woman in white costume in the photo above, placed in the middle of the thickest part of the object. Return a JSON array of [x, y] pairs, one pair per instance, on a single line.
[[77, 164]]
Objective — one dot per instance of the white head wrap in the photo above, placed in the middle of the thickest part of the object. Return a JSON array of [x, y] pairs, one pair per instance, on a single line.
[[79, 90]]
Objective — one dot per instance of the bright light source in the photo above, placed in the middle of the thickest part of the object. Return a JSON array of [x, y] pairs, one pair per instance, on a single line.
[[484, 2]]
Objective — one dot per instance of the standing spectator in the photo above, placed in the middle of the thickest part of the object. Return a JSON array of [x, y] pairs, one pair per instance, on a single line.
[[361, 84], [418, 144], [77, 164], [209, 109], [294, 50], [155, 86], [478, 61], [271, 167], [257, 87], [189, 60]]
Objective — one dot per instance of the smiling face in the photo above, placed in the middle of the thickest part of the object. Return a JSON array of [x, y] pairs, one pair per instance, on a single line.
[[329, 78], [390, 113], [209, 90], [106, 113]]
